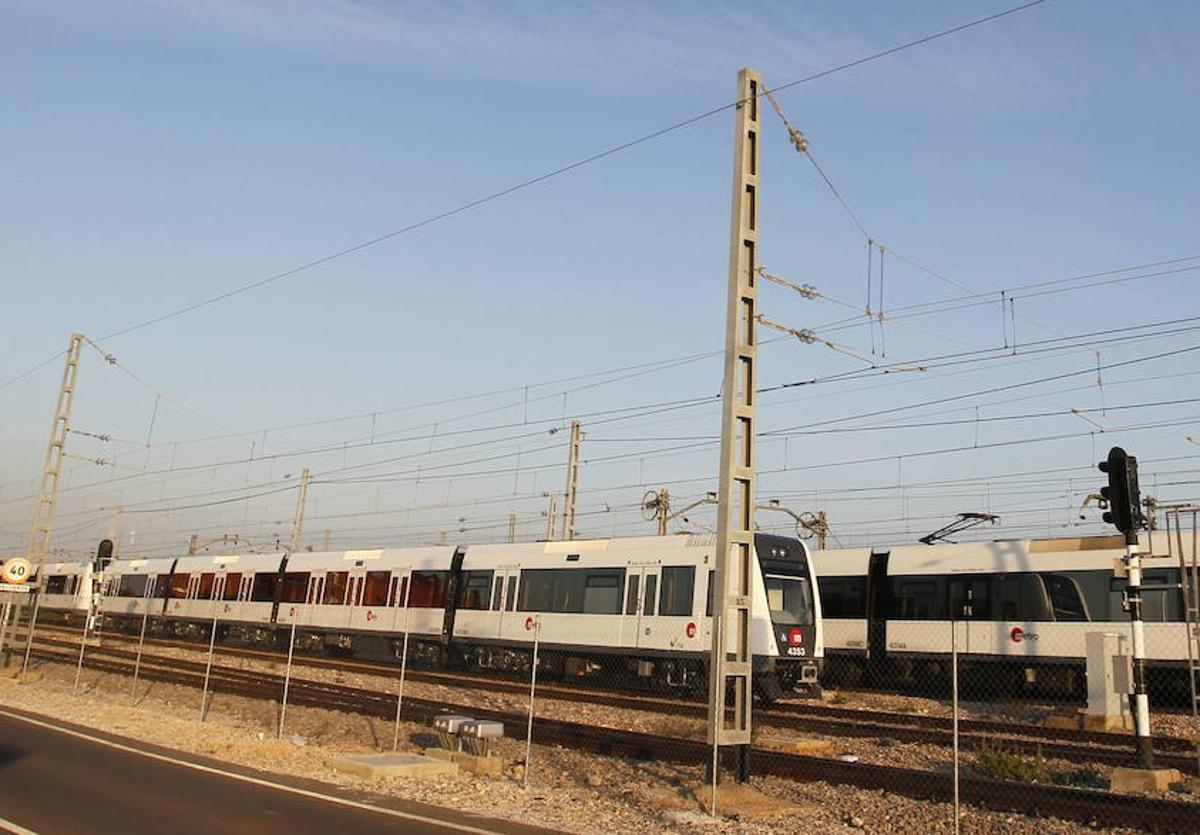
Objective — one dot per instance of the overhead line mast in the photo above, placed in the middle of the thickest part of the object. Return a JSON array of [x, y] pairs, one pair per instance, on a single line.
[[41, 529], [730, 662]]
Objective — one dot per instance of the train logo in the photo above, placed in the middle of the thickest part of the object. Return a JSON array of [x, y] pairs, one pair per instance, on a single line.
[[528, 624], [691, 630], [1019, 635]]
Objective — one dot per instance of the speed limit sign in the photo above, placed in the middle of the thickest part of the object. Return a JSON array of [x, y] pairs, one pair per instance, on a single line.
[[16, 570]]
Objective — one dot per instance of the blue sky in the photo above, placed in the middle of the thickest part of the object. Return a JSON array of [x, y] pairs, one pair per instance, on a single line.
[[158, 153]]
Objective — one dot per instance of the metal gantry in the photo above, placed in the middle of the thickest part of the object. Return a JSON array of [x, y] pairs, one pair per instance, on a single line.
[[730, 664]]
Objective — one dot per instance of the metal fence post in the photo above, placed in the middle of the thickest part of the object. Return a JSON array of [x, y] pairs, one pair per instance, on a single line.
[[212, 641], [137, 664], [287, 681], [954, 709], [87, 622], [537, 632], [403, 668]]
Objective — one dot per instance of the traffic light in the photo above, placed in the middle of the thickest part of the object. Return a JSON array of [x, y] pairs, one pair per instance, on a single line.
[[1122, 494]]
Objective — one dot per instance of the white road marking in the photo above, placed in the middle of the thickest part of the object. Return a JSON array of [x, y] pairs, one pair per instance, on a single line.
[[340, 801], [15, 828]]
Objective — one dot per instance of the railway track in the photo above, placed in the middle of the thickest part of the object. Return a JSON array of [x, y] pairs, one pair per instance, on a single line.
[[1107, 748], [1086, 805]]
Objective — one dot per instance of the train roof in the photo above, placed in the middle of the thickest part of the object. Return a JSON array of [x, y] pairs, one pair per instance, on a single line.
[[1063, 554], [70, 567], [378, 559], [157, 565], [228, 562]]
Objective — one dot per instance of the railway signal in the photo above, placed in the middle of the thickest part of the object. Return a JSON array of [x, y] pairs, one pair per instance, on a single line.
[[1122, 494], [1125, 513]]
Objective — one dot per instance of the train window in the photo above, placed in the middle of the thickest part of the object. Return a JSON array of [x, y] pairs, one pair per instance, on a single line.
[[476, 587], [1162, 606], [56, 584], [263, 588], [678, 587], [205, 591], [336, 584], [512, 593], [651, 594], [233, 583], [497, 591], [375, 588], [789, 599], [970, 598], [1066, 600], [1023, 597], [133, 585], [400, 591], [175, 584], [428, 589], [843, 597], [602, 591], [572, 590], [294, 587], [631, 599], [916, 599], [712, 582]]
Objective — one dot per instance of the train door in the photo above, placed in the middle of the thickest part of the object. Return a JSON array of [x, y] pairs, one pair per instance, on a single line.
[[504, 597], [878, 603], [355, 613], [316, 588], [213, 607], [641, 606], [401, 617]]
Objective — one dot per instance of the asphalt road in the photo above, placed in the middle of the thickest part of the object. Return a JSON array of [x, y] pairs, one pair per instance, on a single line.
[[53, 782]]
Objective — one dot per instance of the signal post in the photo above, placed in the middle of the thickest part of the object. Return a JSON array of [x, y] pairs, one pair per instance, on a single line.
[[1125, 513]]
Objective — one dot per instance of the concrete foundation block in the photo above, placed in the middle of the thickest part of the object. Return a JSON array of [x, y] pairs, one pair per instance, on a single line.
[[480, 766], [1108, 723], [440, 754], [1064, 721], [743, 802], [1144, 779], [375, 766]]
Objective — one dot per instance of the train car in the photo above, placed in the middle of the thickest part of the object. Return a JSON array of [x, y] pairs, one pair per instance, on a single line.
[[634, 610], [1020, 611], [68, 591]]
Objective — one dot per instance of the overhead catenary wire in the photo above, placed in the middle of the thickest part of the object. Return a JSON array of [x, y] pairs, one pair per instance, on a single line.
[[535, 180]]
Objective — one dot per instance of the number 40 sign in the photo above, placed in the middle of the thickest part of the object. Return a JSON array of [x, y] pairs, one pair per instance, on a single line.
[[15, 570]]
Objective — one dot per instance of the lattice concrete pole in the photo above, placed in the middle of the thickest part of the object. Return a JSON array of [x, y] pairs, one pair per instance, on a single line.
[[47, 503], [301, 504], [572, 480], [552, 517], [731, 659]]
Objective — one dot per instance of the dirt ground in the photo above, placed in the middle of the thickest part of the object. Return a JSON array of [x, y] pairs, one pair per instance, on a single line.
[[568, 790]]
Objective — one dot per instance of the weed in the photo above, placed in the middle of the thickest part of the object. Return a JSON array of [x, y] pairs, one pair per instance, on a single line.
[[995, 761]]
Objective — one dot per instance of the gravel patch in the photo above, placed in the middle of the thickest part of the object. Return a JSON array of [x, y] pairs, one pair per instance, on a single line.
[[570, 791]]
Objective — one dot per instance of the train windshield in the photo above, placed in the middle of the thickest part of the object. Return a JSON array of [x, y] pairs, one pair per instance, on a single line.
[[790, 599]]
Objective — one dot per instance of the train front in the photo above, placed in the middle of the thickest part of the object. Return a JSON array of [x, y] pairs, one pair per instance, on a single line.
[[790, 658]]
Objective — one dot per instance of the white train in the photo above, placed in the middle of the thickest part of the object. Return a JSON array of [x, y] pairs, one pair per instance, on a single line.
[[1021, 611], [636, 609]]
